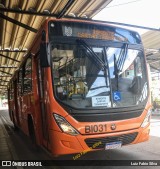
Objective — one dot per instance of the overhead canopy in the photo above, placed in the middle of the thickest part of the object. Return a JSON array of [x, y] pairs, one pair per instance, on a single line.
[[20, 21], [151, 41]]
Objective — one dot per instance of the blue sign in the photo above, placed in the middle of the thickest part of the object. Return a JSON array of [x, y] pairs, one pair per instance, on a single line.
[[116, 96]]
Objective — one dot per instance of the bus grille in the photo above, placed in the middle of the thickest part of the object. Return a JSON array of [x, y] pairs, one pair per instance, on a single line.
[[125, 139]]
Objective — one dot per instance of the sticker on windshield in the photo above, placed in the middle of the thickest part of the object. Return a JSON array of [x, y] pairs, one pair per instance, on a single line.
[[68, 31], [116, 96], [100, 101]]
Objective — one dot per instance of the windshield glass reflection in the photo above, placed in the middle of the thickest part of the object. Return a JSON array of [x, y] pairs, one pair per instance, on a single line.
[[94, 76]]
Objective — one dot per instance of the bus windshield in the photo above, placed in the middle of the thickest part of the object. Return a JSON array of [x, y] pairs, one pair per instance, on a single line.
[[93, 76]]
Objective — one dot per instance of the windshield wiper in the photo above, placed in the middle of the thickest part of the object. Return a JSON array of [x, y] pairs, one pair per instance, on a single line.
[[116, 71], [122, 57], [92, 55], [118, 65]]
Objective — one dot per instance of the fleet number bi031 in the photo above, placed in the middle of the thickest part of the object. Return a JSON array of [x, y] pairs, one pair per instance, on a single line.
[[96, 128]]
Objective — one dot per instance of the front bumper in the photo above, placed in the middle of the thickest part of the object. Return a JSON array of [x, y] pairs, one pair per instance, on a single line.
[[62, 143]]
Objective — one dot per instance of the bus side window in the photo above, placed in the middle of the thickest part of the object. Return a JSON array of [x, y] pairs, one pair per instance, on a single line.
[[20, 87], [11, 91], [138, 66], [27, 76]]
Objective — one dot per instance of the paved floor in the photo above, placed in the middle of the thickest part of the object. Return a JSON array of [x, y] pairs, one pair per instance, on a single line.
[[5, 147], [5, 153]]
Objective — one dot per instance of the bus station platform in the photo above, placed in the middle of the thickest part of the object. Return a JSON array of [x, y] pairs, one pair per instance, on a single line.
[[17, 147], [5, 151]]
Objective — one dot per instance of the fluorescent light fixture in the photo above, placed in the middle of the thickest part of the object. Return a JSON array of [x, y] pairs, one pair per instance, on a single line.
[[72, 15], [46, 11]]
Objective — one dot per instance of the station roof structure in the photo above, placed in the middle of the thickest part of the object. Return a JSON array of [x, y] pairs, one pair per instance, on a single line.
[[151, 42], [20, 20]]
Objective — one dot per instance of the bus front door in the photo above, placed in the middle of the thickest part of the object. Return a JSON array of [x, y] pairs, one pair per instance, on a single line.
[[41, 91], [16, 120]]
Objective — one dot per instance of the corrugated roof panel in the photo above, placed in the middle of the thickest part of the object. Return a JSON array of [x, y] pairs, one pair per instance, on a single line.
[[8, 35], [15, 32], [61, 6], [13, 4], [98, 7], [29, 41], [77, 8], [151, 39], [22, 4], [54, 6], [150, 34], [88, 9], [32, 4]]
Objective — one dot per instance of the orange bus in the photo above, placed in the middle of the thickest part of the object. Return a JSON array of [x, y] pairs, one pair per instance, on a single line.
[[82, 82]]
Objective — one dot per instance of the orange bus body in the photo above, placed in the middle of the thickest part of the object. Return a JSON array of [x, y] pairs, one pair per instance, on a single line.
[[34, 115]]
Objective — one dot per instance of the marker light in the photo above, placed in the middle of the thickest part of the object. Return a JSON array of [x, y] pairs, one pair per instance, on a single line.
[[65, 126], [147, 119]]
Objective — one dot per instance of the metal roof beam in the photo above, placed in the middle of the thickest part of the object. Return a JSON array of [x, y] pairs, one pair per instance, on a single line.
[[153, 59], [2, 85], [64, 10], [18, 23], [10, 67], [4, 80], [58, 16], [9, 58], [6, 50], [5, 72], [151, 62], [27, 12], [154, 68]]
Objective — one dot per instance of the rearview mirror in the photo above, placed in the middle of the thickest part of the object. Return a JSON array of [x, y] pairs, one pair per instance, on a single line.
[[44, 56], [79, 52]]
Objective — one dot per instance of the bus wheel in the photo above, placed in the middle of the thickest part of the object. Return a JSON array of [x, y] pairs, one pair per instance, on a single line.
[[32, 133]]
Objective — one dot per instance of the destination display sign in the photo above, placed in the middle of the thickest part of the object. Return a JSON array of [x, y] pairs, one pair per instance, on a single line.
[[92, 31]]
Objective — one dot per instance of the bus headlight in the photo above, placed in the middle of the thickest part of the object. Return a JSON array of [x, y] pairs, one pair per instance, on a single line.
[[147, 119], [65, 126]]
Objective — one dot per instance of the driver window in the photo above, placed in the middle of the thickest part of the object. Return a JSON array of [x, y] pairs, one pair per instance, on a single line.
[[129, 72], [69, 71]]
